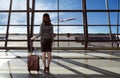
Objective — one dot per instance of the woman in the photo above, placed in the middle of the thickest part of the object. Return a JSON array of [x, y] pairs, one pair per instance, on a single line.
[[46, 33]]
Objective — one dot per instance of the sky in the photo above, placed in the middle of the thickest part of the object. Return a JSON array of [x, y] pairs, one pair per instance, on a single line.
[[93, 18]]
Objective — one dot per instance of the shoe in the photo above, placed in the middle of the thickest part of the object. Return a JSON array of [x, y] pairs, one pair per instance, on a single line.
[[45, 70], [48, 70]]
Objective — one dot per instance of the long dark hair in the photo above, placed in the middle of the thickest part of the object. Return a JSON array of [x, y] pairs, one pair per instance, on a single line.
[[46, 19]]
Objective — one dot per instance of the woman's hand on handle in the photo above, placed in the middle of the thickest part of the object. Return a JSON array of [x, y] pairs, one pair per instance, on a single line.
[[33, 38]]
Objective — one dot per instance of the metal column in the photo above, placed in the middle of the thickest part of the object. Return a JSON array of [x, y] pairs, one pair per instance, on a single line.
[[58, 25], [109, 22], [118, 25], [85, 23], [8, 24], [28, 26], [32, 21]]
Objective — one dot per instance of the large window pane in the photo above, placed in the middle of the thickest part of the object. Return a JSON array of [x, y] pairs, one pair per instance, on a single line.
[[70, 4], [113, 18], [18, 29], [97, 18], [98, 29], [18, 36], [71, 29], [3, 29], [70, 18], [3, 18], [17, 44], [119, 29], [113, 4], [2, 44], [18, 18], [46, 5], [96, 4], [19, 5], [4, 4], [114, 29], [39, 17]]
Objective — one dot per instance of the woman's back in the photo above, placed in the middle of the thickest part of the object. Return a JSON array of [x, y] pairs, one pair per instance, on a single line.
[[46, 31]]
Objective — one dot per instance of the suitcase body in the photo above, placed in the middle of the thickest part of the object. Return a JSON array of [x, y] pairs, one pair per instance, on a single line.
[[33, 63]]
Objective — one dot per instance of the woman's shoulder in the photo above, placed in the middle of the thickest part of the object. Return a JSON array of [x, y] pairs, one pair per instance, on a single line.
[[42, 24]]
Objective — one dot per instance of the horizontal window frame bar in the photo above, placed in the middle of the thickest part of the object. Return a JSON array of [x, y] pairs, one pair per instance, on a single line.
[[71, 25], [64, 48], [67, 40], [60, 10]]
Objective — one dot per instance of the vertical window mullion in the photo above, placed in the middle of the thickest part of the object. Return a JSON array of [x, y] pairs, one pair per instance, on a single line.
[[109, 22], [8, 24], [85, 23]]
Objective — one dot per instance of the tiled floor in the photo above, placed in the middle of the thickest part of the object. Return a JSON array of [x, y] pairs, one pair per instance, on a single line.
[[65, 64]]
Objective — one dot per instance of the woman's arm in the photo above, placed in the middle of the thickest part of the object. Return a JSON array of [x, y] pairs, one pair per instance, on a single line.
[[37, 36]]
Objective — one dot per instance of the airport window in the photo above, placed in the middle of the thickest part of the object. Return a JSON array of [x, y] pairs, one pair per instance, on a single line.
[[92, 5], [73, 21], [4, 4], [101, 18], [3, 18], [70, 5], [45, 4], [21, 5]]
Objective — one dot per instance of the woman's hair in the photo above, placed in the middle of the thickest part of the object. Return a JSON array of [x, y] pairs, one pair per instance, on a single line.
[[46, 19]]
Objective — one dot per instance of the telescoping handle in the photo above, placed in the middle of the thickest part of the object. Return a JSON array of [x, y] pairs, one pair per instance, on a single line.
[[34, 50]]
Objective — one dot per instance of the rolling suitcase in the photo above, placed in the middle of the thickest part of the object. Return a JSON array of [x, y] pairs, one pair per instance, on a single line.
[[33, 63]]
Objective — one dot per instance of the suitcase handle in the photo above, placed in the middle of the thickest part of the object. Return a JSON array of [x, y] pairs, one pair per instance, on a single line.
[[31, 48]]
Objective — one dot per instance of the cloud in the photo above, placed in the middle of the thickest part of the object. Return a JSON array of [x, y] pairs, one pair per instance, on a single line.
[[19, 5], [18, 29], [18, 18], [21, 18], [4, 4], [3, 18]]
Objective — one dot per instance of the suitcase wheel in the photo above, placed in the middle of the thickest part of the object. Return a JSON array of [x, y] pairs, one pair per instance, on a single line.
[[29, 71]]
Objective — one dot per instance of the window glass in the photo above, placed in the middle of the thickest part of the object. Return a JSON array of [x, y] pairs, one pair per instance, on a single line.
[[17, 44], [4, 4], [70, 4], [71, 29], [19, 5], [18, 29], [70, 18], [96, 4], [46, 4], [18, 18], [39, 16], [98, 29], [3, 18], [3, 29], [97, 18], [114, 29], [113, 17], [113, 4]]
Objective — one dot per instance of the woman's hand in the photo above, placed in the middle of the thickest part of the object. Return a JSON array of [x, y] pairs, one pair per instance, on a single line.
[[33, 38]]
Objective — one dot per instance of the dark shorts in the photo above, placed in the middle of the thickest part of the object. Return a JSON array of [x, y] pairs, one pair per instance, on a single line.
[[46, 45]]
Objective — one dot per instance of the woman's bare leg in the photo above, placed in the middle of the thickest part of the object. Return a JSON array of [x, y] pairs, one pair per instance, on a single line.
[[48, 61], [44, 60]]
